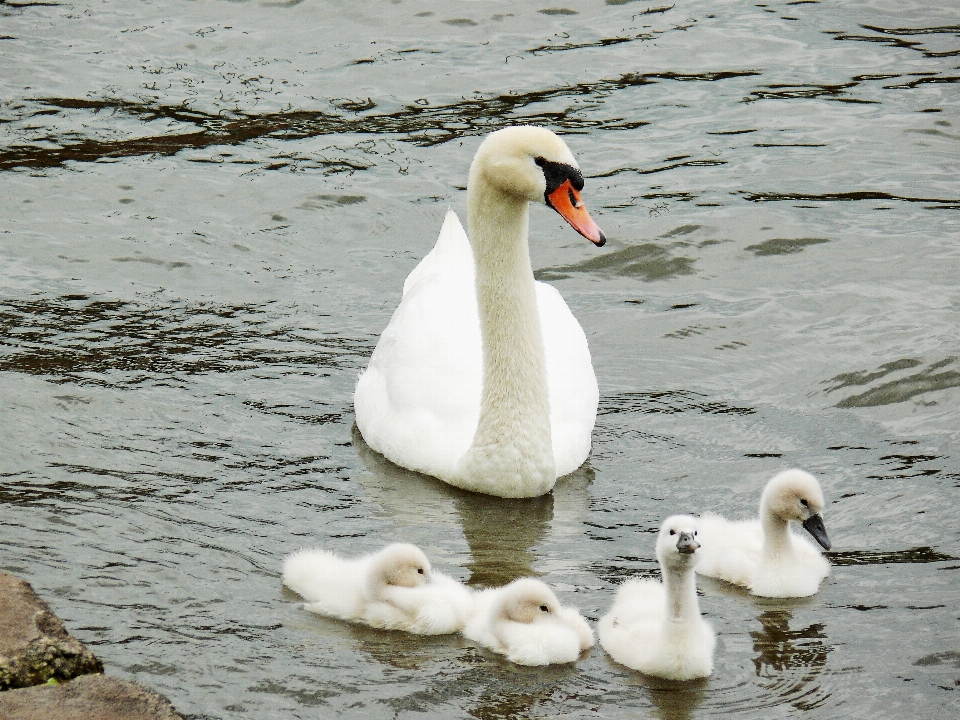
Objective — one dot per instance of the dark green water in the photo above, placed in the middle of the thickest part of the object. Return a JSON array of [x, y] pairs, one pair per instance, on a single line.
[[207, 210]]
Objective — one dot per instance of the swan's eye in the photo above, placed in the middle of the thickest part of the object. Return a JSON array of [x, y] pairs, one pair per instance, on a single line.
[[804, 503], [694, 533], [419, 571], [672, 532], [540, 161], [545, 608]]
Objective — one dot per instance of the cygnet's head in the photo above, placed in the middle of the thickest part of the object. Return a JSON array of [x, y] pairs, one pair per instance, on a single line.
[[677, 542], [402, 565], [526, 601], [796, 495], [533, 164]]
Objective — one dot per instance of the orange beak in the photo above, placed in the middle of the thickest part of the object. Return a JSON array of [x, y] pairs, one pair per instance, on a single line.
[[566, 201]]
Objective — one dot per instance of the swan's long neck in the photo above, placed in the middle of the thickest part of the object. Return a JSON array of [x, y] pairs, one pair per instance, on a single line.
[[776, 536], [513, 441], [680, 585]]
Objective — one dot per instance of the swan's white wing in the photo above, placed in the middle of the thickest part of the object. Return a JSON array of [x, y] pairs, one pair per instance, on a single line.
[[633, 626], [729, 550], [330, 585], [418, 402], [639, 602], [452, 253], [543, 642], [573, 385], [436, 608], [572, 618], [478, 625]]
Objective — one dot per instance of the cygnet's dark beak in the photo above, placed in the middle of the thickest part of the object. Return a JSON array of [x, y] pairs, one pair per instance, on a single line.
[[814, 526], [686, 545]]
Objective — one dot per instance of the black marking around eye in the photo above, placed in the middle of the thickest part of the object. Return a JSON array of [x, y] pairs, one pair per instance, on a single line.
[[545, 608], [556, 173], [804, 503]]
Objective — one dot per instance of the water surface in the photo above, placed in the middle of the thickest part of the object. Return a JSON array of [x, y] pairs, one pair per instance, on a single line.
[[207, 211]]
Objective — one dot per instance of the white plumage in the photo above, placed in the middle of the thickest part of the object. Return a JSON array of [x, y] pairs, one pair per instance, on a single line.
[[763, 555], [507, 409], [657, 628], [525, 622], [395, 589]]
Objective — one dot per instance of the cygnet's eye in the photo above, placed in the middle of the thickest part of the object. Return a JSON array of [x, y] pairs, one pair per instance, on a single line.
[[420, 571], [672, 532], [694, 533], [545, 608], [804, 503]]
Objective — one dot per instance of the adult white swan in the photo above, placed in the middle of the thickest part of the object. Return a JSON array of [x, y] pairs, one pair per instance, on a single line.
[[483, 376]]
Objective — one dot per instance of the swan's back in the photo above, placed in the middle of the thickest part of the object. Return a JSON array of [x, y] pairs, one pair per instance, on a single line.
[[556, 638], [731, 549], [438, 607], [329, 584], [541, 643]]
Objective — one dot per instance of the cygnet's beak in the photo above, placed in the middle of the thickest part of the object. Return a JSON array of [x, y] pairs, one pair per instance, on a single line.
[[686, 545], [814, 526], [566, 201]]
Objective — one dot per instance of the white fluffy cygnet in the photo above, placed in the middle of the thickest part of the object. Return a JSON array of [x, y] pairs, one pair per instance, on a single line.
[[656, 628], [525, 621], [394, 589], [763, 555]]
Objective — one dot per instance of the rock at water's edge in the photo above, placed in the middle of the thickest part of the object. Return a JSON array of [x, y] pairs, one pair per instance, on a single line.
[[90, 697], [34, 644]]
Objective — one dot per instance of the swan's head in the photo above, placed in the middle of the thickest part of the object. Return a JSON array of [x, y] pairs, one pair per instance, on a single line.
[[533, 164], [526, 601], [677, 542], [796, 495], [401, 565]]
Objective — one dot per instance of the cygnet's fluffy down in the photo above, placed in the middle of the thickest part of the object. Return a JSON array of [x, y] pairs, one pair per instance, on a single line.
[[525, 621], [763, 555], [394, 589], [657, 628]]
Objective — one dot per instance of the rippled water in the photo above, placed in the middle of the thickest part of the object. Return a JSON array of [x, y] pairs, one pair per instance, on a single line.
[[207, 211]]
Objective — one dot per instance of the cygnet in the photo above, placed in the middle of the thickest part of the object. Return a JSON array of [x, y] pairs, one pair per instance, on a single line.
[[525, 621], [394, 589], [763, 555], [656, 628]]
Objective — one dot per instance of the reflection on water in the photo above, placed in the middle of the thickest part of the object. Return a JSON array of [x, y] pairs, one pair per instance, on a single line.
[[501, 533], [646, 261], [676, 700], [206, 217], [780, 649], [930, 379], [77, 339], [879, 557], [792, 659]]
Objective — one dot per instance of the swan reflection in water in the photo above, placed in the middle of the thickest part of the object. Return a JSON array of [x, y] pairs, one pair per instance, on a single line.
[[780, 649], [501, 533], [792, 659]]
